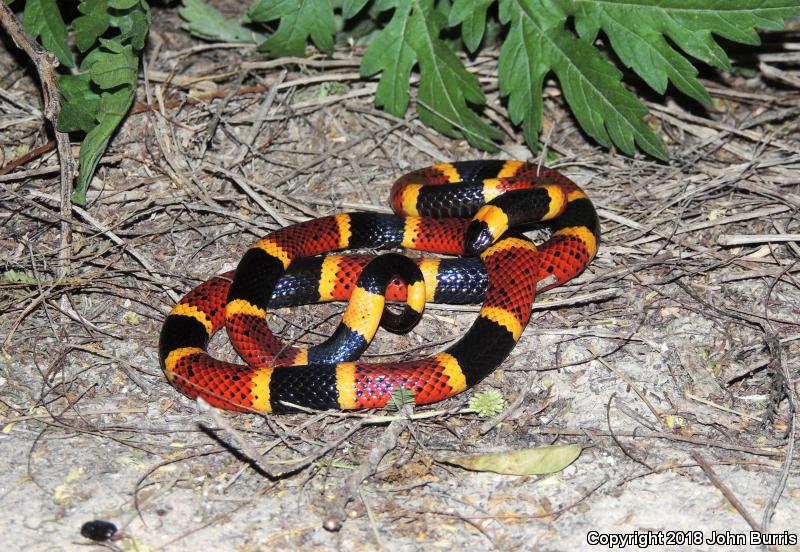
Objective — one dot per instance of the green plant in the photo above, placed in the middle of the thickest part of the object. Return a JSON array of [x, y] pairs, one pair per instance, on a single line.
[[99, 90], [399, 398], [487, 403], [654, 38]]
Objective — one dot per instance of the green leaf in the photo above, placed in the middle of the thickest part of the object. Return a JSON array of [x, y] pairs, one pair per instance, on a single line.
[[88, 28], [114, 65], [87, 7], [97, 99], [351, 7], [43, 20], [14, 277], [537, 43], [208, 23], [446, 88], [687, 23], [79, 103], [471, 14], [299, 20], [391, 54], [399, 398], [122, 4], [135, 28], [638, 29], [133, 22], [342, 464], [113, 108], [537, 461]]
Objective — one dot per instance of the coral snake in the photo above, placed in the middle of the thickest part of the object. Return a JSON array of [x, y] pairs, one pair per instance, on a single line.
[[464, 208]]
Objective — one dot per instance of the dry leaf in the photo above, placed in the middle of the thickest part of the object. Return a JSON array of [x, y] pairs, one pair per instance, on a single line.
[[534, 461]]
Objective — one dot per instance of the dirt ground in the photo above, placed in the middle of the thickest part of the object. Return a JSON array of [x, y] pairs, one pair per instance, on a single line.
[[674, 357]]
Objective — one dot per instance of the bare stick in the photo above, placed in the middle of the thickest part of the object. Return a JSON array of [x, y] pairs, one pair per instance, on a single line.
[[747, 239], [777, 365], [701, 441], [712, 476], [336, 512], [46, 64]]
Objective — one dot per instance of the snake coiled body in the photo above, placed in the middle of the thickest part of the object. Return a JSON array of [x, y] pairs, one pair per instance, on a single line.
[[470, 208]]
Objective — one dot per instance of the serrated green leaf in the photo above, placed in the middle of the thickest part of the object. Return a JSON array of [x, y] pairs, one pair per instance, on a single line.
[[471, 14], [446, 88], [88, 28], [42, 19], [647, 53], [399, 398], [77, 116], [687, 23], [208, 23], [113, 107], [134, 28], [75, 86], [299, 20], [537, 43], [97, 99], [89, 59], [114, 65], [638, 29], [392, 56], [79, 103], [537, 461]]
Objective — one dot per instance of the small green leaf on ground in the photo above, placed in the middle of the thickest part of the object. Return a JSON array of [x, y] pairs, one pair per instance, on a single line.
[[14, 277], [342, 464], [537, 461], [399, 398], [208, 23], [487, 403]]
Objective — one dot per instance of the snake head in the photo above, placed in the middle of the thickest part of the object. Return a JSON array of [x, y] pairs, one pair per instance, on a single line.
[[477, 238]]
